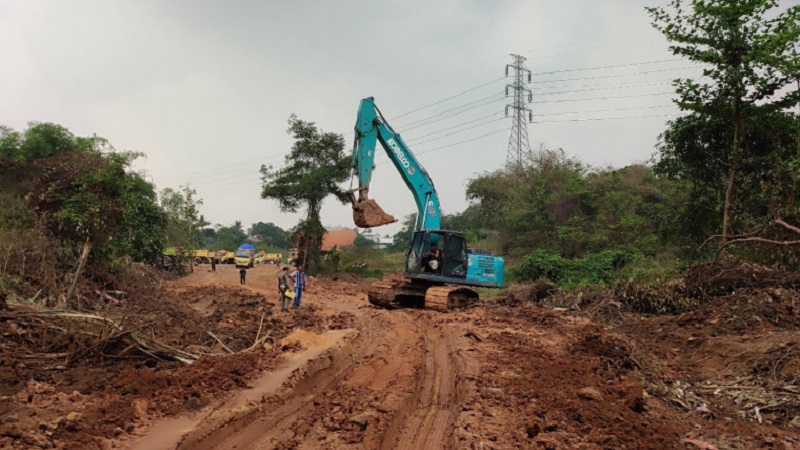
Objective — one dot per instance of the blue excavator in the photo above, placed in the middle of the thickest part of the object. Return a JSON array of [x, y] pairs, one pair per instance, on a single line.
[[440, 269]]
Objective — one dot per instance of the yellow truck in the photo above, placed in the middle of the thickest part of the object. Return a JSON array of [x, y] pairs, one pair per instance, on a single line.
[[201, 256], [261, 257], [245, 256], [274, 258], [228, 258]]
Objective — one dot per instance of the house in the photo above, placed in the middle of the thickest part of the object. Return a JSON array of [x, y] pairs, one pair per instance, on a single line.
[[378, 240], [340, 238]]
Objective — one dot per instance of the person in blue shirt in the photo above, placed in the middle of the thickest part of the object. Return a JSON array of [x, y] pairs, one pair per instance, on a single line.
[[299, 277]]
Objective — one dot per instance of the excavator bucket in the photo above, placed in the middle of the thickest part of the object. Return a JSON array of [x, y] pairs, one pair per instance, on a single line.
[[367, 214]]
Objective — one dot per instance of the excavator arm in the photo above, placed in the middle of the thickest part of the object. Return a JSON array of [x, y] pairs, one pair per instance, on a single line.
[[372, 127]]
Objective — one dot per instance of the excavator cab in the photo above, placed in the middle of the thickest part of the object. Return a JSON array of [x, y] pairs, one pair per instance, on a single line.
[[453, 261]]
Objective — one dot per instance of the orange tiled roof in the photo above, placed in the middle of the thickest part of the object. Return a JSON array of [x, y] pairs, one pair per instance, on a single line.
[[339, 238]]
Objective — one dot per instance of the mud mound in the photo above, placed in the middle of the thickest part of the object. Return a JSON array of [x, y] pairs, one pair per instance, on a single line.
[[541, 392], [61, 391], [524, 293]]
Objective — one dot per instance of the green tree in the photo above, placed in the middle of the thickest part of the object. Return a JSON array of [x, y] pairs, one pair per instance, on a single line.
[[402, 239], [43, 140], [270, 234], [230, 237], [142, 235], [746, 48], [363, 242], [764, 189], [315, 167], [184, 220]]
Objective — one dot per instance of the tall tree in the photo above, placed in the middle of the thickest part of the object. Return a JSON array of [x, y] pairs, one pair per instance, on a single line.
[[744, 46], [270, 234], [230, 237], [764, 188], [315, 167], [184, 219]]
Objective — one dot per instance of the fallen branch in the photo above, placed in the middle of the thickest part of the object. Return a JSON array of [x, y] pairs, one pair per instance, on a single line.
[[258, 342], [260, 323], [220, 342], [130, 338]]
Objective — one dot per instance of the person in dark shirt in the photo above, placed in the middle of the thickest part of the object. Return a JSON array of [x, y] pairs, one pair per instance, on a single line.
[[428, 264], [242, 275]]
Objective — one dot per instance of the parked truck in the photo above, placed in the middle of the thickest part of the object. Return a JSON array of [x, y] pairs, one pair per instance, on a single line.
[[201, 256], [261, 257], [245, 256], [274, 258]]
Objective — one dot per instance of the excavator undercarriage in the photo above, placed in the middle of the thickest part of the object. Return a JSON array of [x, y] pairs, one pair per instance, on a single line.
[[417, 294]]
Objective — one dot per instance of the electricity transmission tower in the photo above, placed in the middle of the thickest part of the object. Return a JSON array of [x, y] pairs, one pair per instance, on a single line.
[[519, 148]]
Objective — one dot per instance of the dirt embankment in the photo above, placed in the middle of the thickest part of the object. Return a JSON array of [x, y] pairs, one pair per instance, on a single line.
[[339, 374], [69, 390]]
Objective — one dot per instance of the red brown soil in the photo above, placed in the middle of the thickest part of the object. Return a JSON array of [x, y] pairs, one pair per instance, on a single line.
[[725, 374]]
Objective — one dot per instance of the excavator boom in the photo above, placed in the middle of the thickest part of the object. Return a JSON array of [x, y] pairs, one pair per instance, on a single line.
[[371, 128]]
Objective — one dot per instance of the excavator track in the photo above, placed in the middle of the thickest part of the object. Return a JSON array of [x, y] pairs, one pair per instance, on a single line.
[[443, 298], [406, 294]]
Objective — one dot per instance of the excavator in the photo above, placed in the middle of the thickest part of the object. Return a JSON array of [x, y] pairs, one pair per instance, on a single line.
[[439, 279]]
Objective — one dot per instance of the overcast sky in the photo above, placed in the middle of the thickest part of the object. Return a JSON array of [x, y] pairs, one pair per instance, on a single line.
[[205, 88]]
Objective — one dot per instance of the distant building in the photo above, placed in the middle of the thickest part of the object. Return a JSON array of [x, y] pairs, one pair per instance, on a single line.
[[380, 241]]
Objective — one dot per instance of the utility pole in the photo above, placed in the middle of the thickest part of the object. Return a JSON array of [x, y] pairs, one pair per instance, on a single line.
[[519, 148]]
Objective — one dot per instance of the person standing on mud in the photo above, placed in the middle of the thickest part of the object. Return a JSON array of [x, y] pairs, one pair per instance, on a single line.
[[299, 285], [213, 264], [242, 275], [285, 284]]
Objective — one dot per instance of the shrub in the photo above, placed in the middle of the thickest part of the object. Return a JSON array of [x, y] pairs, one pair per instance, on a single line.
[[598, 268]]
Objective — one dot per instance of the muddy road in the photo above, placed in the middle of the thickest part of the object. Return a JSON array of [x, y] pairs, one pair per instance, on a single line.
[[394, 380], [341, 374]]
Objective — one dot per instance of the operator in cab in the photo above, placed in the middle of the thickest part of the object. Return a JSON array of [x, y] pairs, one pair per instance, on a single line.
[[432, 260]]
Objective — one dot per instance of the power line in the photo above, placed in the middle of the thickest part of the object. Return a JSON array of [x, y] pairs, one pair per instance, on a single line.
[[499, 99], [603, 110], [448, 98], [261, 159], [604, 118], [455, 126], [233, 172], [459, 131], [451, 109], [427, 121], [505, 129], [608, 67], [603, 98], [450, 145], [615, 75], [608, 88]]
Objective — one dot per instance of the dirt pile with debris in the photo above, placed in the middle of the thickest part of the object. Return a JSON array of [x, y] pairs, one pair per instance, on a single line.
[[721, 374], [66, 383], [540, 369]]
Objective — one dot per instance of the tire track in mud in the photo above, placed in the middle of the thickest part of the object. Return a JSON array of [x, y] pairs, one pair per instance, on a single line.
[[427, 420], [260, 427], [400, 360]]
